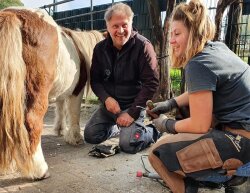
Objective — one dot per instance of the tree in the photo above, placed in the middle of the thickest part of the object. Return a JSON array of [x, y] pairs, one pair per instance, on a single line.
[[233, 29], [221, 7], [8, 3], [160, 32]]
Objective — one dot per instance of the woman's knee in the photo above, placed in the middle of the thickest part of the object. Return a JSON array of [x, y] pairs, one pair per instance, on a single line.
[[151, 157]]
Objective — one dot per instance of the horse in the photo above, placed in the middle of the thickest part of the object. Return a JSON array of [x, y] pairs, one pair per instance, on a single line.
[[40, 63]]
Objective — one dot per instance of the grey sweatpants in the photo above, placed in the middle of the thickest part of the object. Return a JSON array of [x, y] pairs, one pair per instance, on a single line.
[[102, 126]]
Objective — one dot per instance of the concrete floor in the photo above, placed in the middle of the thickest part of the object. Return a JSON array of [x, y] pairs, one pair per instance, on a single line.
[[74, 171]]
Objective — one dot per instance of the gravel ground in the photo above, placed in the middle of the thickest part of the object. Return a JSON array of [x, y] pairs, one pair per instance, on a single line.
[[73, 171]]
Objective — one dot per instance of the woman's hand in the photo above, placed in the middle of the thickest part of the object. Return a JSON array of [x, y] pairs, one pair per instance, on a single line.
[[164, 107], [164, 124]]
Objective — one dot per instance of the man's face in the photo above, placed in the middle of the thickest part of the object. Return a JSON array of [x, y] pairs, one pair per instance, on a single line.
[[119, 28]]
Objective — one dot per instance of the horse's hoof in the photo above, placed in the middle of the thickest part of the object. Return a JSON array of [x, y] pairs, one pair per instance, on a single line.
[[80, 142], [45, 176]]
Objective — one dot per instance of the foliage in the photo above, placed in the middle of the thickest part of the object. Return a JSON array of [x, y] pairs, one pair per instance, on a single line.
[[175, 76], [91, 100], [8, 3]]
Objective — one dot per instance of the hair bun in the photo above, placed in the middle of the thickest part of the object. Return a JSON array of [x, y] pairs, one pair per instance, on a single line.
[[196, 6]]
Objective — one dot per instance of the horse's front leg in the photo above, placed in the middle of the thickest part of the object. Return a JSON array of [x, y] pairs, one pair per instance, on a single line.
[[60, 127], [73, 135]]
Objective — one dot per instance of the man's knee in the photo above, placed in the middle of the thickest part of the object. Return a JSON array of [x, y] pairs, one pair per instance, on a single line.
[[135, 138], [126, 146], [129, 149], [91, 135]]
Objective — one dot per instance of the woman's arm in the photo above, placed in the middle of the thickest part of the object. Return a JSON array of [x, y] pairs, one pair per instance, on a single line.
[[182, 100], [201, 108]]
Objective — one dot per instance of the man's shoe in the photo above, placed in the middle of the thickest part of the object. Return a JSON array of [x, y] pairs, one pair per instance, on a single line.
[[236, 181], [210, 185], [237, 185], [230, 189], [191, 185]]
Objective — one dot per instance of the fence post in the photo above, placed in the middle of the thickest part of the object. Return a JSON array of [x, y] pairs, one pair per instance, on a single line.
[[55, 6], [91, 14]]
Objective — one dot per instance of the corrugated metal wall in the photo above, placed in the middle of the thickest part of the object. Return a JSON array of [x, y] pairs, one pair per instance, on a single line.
[[84, 20], [141, 20]]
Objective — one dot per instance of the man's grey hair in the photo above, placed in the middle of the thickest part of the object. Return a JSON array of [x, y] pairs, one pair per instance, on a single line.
[[118, 9]]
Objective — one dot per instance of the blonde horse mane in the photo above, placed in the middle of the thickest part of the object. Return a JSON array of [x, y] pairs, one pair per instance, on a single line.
[[85, 41], [14, 139]]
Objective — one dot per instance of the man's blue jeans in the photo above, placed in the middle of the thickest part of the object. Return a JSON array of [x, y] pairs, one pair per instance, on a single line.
[[102, 126]]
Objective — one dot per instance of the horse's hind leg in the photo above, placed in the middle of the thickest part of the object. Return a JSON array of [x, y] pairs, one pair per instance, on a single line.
[[40, 166], [60, 119], [73, 135], [39, 51], [34, 123]]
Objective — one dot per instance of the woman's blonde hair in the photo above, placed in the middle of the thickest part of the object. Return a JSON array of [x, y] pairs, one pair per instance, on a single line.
[[200, 27]]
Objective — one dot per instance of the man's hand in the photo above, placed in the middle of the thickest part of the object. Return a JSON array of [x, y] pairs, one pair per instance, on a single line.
[[164, 124], [124, 120], [164, 107], [112, 105]]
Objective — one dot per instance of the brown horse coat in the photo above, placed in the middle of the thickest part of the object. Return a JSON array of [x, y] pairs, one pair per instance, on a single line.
[[39, 62]]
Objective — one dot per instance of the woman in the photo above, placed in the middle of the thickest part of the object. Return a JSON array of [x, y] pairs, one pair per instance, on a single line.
[[218, 91]]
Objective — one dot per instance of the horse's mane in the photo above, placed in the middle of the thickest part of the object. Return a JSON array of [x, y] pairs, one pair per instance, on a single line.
[[90, 39], [85, 42]]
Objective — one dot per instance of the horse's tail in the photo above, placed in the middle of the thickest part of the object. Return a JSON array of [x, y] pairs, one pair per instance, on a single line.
[[14, 139]]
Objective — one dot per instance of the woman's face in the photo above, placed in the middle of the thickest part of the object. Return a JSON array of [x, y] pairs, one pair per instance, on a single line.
[[179, 38]]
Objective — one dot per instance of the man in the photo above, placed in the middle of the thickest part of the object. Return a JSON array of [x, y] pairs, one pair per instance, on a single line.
[[123, 76]]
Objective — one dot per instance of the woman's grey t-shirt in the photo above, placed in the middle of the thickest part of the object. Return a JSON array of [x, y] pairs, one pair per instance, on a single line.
[[218, 69]]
